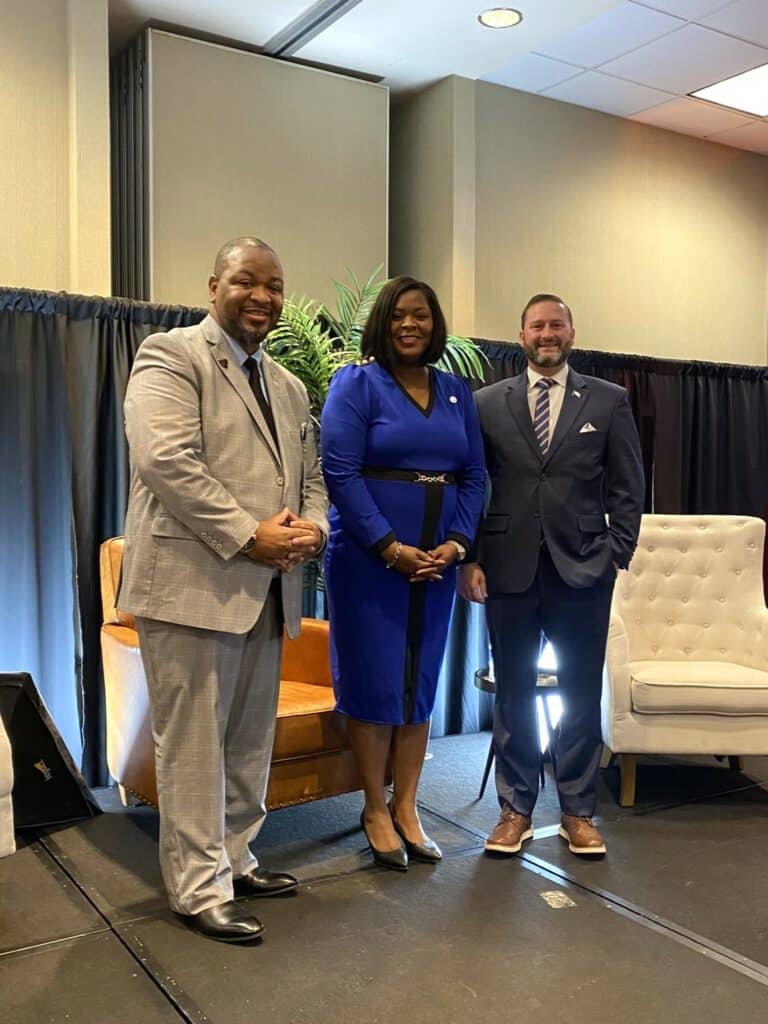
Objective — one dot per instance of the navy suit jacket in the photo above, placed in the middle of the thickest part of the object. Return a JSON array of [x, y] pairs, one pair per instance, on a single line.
[[593, 467]]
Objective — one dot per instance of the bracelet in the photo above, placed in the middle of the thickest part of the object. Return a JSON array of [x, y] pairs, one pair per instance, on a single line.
[[393, 563]]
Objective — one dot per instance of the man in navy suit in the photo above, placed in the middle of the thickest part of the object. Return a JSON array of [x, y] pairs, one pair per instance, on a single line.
[[567, 490]]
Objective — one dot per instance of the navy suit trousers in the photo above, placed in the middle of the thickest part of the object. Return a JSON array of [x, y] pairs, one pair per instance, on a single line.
[[575, 621]]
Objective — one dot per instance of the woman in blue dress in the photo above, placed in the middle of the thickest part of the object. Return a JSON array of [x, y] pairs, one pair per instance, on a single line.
[[403, 462]]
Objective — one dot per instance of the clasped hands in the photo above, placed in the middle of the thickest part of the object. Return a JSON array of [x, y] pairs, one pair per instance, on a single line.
[[284, 541], [420, 566]]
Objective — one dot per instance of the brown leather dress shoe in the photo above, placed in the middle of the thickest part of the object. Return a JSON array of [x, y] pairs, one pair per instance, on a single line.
[[510, 833], [581, 835]]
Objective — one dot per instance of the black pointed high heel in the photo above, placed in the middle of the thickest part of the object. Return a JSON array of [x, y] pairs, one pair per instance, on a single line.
[[396, 859], [429, 851]]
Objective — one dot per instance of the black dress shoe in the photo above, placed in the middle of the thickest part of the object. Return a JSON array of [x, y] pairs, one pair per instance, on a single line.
[[427, 851], [226, 922], [265, 883], [396, 859]]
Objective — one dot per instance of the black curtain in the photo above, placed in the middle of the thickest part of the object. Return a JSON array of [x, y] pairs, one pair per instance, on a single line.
[[703, 426], [64, 365], [39, 633]]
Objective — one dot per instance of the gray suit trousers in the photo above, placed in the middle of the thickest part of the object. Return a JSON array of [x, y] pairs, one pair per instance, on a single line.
[[213, 699]]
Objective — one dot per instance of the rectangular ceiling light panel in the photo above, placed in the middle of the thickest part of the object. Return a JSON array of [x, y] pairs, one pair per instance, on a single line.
[[747, 92]]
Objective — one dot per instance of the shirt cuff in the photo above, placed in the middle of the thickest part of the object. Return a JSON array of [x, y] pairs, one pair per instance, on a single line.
[[459, 538], [386, 540]]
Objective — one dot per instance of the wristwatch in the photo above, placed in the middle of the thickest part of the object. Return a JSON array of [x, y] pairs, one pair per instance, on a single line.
[[460, 548], [250, 543]]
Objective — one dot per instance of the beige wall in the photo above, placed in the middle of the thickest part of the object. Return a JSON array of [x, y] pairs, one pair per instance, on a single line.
[[244, 144], [659, 241], [54, 137], [421, 190], [432, 195]]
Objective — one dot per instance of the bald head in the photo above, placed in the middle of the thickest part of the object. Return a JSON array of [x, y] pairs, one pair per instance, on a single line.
[[236, 245]]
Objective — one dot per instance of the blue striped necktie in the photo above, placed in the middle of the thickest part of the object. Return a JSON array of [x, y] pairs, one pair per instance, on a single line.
[[541, 414]]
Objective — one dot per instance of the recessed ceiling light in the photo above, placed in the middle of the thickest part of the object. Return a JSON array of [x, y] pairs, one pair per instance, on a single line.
[[500, 17], [747, 92]]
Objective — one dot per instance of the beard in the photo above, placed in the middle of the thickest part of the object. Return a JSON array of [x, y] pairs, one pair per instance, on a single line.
[[539, 358], [249, 337]]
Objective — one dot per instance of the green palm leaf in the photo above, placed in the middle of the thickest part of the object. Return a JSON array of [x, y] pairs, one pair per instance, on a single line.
[[353, 304], [303, 346], [464, 358]]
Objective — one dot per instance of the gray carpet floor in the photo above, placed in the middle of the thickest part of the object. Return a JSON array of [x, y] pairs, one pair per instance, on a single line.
[[671, 926]]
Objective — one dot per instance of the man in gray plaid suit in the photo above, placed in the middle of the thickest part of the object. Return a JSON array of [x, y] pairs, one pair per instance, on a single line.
[[226, 501]]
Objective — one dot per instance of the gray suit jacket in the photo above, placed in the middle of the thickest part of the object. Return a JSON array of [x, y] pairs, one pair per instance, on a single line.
[[593, 467], [204, 472]]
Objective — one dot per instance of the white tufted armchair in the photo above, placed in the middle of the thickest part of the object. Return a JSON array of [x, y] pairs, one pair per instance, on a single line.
[[687, 658], [7, 844]]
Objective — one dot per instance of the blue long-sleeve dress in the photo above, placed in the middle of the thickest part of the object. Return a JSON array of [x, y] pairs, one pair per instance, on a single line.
[[394, 471]]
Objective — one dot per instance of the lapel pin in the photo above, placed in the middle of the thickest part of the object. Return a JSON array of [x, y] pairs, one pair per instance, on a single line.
[[453, 399], [576, 394], [223, 363]]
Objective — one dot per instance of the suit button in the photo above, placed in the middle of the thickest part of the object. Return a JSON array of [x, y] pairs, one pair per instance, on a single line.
[[279, 481]]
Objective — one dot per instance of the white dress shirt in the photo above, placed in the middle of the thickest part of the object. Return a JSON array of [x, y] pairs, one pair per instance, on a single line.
[[556, 394]]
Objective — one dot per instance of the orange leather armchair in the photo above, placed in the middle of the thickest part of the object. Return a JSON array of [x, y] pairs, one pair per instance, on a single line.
[[311, 758]]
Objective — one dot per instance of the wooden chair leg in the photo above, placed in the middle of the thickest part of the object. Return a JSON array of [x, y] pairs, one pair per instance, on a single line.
[[606, 757], [734, 763], [127, 799], [628, 780]]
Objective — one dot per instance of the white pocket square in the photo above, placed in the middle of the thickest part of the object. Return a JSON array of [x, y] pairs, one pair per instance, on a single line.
[[587, 429]]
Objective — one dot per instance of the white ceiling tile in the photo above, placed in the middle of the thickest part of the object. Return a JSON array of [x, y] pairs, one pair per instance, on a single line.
[[611, 95], [749, 136], [691, 117], [615, 32], [687, 59], [745, 18], [435, 38], [532, 73], [687, 8]]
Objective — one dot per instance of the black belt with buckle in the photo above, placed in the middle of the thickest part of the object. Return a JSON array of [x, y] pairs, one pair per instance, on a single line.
[[410, 476]]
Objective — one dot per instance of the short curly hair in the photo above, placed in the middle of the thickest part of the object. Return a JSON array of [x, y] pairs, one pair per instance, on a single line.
[[377, 335]]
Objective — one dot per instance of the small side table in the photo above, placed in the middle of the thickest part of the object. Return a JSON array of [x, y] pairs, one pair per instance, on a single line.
[[546, 684]]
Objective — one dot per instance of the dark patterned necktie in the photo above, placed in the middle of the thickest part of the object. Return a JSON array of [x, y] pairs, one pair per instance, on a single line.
[[254, 379], [541, 414]]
